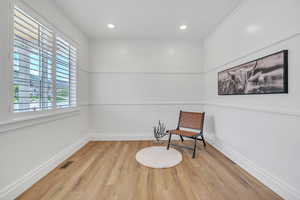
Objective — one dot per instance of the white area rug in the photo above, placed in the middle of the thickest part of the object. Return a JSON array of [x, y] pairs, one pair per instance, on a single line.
[[158, 157]]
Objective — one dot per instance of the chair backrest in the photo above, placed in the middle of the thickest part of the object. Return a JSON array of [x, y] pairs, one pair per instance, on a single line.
[[192, 120]]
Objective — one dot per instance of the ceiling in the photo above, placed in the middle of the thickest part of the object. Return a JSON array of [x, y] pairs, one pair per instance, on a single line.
[[146, 19]]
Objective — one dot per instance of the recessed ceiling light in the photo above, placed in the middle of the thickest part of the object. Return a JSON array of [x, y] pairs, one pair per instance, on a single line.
[[111, 26], [182, 27]]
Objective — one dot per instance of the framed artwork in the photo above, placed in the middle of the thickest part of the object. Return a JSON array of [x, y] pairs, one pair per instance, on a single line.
[[266, 75]]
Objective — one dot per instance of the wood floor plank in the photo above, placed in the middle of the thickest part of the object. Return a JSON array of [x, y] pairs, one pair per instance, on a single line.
[[108, 171]]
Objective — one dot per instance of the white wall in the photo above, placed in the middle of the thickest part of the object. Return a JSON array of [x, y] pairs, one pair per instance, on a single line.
[[134, 83], [259, 132], [24, 150]]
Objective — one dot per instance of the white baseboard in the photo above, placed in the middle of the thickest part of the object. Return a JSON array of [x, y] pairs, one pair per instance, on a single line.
[[280, 187], [19, 186]]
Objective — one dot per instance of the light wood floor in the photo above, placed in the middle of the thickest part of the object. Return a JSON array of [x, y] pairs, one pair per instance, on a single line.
[[108, 170]]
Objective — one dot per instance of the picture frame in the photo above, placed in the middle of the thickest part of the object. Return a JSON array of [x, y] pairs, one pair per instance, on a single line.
[[265, 75]]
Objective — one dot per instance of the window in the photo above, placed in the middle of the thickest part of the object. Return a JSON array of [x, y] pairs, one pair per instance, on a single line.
[[65, 74], [44, 67]]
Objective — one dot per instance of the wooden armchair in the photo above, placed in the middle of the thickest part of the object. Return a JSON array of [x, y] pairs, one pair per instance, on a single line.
[[193, 123]]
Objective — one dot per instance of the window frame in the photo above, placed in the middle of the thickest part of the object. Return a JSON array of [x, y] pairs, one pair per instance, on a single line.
[[56, 33]]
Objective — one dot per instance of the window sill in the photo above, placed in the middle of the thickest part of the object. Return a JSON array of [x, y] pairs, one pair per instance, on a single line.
[[25, 121]]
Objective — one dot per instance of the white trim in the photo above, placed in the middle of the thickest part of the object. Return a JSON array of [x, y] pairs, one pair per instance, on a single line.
[[280, 187], [83, 70], [84, 104], [39, 18], [19, 186], [120, 136], [11, 37], [148, 103], [205, 70], [251, 53], [277, 110], [33, 120], [148, 73]]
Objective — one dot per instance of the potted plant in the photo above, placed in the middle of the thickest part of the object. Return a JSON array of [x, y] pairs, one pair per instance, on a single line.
[[159, 131]]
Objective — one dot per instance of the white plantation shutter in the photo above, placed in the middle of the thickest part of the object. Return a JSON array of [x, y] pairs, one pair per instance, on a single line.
[[32, 64], [44, 67], [65, 74]]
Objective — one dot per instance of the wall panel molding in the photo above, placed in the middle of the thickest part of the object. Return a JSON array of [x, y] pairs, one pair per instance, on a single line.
[[235, 123], [251, 53], [34, 120], [98, 136], [277, 185], [148, 73], [147, 103], [19, 186], [273, 110], [280, 111], [15, 189], [205, 71], [83, 70]]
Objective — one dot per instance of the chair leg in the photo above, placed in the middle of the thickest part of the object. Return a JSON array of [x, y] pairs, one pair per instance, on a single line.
[[203, 141], [181, 138], [195, 145], [170, 135]]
